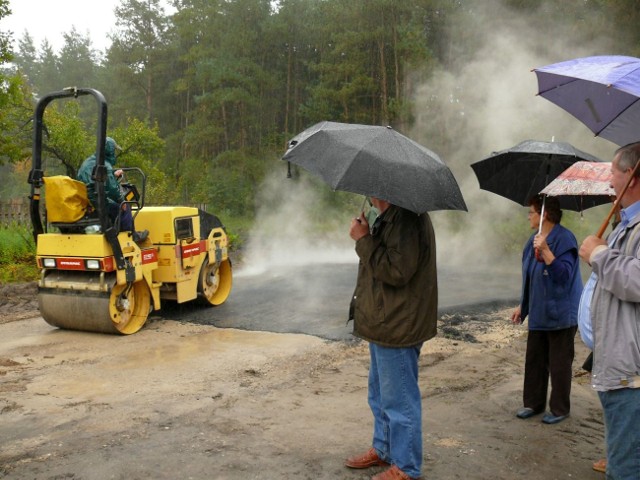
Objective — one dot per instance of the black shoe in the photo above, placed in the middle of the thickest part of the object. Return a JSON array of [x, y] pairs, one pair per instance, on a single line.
[[140, 237], [550, 418], [526, 412]]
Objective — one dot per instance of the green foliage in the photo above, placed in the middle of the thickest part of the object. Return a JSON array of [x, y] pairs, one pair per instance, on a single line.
[[68, 141], [17, 255], [48, 77], [14, 106], [204, 98], [627, 18], [15, 111], [141, 148], [77, 60], [226, 184], [237, 231], [5, 39], [15, 184], [587, 222], [512, 236], [139, 60]]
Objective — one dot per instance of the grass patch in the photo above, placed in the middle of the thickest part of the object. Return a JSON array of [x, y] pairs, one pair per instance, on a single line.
[[17, 254], [238, 229]]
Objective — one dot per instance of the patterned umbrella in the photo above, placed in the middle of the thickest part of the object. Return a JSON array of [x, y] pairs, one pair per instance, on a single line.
[[588, 182]]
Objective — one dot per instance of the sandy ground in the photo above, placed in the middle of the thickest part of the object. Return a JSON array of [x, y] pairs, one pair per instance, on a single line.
[[185, 401]]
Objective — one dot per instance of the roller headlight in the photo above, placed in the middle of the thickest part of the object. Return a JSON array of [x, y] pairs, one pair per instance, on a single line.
[[49, 262]]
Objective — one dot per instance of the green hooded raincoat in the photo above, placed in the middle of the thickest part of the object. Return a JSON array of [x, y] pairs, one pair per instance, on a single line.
[[111, 188]]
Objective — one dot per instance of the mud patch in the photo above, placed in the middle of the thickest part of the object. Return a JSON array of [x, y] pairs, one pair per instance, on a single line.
[[196, 401], [7, 362], [18, 301]]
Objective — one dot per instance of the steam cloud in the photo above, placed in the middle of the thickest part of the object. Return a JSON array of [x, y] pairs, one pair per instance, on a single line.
[[482, 104]]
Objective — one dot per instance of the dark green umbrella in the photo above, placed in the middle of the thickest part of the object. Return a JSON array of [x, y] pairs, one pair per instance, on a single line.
[[378, 162]]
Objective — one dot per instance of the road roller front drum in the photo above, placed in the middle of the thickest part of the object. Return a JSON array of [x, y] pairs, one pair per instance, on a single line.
[[67, 301]]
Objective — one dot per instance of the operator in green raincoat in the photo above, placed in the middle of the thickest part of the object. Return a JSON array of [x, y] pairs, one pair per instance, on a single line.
[[113, 193]]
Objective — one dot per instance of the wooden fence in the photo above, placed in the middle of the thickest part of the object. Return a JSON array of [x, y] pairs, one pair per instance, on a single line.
[[15, 211]]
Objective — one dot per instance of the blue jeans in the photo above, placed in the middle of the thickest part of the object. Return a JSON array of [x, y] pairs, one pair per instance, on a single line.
[[396, 404], [622, 432]]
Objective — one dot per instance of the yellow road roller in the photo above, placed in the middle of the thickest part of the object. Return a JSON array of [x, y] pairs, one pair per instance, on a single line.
[[96, 278]]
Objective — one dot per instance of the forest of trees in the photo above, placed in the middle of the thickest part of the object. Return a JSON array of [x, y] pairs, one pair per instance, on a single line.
[[205, 98]]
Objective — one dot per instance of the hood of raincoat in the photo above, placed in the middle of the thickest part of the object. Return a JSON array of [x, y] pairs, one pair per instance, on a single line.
[[110, 147]]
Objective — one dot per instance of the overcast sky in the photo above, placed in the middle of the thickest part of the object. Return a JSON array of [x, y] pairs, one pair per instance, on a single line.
[[51, 18]]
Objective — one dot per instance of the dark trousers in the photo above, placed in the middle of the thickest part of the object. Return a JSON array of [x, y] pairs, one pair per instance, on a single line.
[[549, 354], [126, 219]]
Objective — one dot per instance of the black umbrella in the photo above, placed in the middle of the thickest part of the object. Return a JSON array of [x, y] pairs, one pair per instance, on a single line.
[[378, 162], [522, 171]]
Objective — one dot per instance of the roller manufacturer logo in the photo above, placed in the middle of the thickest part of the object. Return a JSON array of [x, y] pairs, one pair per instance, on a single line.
[[71, 263], [149, 256], [190, 251]]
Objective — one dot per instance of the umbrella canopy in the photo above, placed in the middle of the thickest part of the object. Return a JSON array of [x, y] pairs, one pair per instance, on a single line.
[[603, 92], [378, 162], [520, 172], [587, 183]]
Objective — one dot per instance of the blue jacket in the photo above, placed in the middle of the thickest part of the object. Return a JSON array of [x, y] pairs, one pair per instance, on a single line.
[[551, 293]]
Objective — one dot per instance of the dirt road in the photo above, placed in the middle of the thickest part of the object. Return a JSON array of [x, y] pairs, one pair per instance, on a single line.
[[185, 401]]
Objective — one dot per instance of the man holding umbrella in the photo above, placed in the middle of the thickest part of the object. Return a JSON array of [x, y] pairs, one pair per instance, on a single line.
[[610, 305], [395, 308], [395, 304]]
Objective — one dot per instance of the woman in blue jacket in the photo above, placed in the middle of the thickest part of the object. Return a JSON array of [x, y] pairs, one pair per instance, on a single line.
[[551, 288]]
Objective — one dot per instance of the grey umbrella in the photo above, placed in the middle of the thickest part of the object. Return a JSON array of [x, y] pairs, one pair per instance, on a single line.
[[378, 162]]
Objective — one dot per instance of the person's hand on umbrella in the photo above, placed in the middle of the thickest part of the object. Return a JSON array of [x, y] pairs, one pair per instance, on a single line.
[[589, 245], [359, 227], [543, 252]]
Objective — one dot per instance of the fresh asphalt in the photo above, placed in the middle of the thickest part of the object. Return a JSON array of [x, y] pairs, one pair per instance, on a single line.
[[314, 299]]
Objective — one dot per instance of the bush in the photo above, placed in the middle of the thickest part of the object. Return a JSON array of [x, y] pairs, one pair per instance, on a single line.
[[17, 254]]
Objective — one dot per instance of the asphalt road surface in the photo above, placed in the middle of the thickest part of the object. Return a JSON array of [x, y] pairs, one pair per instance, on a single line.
[[314, 299]]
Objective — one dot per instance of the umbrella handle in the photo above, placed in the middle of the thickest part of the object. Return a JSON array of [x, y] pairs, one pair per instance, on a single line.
[[605, 223], [536, 251], [538, 256], [544, 198], [603, 227]]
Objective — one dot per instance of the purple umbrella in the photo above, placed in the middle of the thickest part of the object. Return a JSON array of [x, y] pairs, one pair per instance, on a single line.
[[603, 92]]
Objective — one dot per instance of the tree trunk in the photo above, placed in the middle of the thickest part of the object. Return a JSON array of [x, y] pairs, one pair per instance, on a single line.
[[287, 93], [384, 93], [149, 102], [225, 126]]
